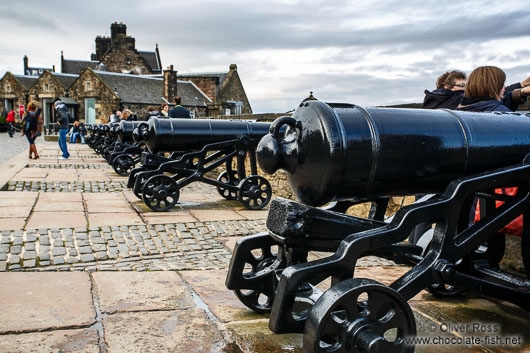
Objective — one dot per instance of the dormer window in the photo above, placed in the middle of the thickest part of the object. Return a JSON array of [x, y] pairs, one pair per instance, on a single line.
[[46, 87], [88, 86]]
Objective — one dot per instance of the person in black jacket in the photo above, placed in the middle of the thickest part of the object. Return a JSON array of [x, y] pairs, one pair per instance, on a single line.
[[179, 112], [448, 93], [30, 128], [62, 116]]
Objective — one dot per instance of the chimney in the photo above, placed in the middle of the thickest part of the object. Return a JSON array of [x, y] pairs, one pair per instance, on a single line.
[[26, 65], [170, 84], [233, 67]]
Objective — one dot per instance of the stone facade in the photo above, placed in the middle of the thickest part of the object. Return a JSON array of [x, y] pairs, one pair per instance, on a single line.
[[224, 89], [14, 91], [118, 53], [89, 85]]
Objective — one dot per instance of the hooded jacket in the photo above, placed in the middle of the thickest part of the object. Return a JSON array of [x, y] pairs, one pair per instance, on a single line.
[[442, 98], [62, 115]]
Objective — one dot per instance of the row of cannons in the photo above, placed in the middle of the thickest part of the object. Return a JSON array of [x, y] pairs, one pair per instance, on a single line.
[[335, 156]]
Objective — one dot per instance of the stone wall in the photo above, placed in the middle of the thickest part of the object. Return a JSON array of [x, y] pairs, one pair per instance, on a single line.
[[16, 93], [38, 91], [208, 85], [105, 99], [232, 90]]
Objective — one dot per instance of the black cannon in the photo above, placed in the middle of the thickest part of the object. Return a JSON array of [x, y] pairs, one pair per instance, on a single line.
[[125, 153], [346, 152], [199, 146]]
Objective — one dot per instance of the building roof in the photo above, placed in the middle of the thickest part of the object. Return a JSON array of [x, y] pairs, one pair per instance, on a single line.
[[151, 59], [191, 95], [76, 66], [26, 81], [65, 80], [134, 88]]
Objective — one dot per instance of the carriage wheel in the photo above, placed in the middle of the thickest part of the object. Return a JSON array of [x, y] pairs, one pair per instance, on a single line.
[[123, 165], [160, 193], [252, 298], [359, 315], [234, 180], [255, 192]]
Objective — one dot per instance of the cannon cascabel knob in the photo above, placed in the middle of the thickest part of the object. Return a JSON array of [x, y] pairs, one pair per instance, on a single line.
[[279, 149]]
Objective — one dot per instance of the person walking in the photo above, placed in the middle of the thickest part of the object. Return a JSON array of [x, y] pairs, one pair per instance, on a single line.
[[30, 127], [11, 122], [61, 112], [179, 112]]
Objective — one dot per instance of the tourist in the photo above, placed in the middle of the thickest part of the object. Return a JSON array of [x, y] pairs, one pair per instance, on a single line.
[[448, 93], [62, 115], [485, 90], [126, 115], [11, 122], [179, 112], [82, 131], [165, 109], [30, 127], [76, 132], [113, 118], [150, 112]]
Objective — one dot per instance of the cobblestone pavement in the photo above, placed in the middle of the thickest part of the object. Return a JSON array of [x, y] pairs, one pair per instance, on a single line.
[[65, 186]]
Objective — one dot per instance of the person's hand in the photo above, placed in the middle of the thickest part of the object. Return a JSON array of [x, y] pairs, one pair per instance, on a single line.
[[525, 92], [526, 82]]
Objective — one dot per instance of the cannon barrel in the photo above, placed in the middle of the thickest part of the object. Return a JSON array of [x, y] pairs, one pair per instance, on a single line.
[[343, 151], [125, 130], [168, 135]]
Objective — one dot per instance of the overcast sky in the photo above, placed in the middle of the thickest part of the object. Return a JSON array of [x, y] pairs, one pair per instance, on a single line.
[[361, 52]]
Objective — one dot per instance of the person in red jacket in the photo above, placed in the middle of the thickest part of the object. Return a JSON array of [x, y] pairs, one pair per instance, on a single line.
[[11, 122]]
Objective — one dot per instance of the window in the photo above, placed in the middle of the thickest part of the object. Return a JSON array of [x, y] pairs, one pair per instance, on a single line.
[[46, 87], [128, 61], [88, 86], [227, 111], [8, 88], [192, 113]]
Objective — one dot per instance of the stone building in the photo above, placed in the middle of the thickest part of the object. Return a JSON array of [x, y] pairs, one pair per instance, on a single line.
[[119, 76], [14, 91], [49, 86], [224, 89], [99, 92], [117, 53]]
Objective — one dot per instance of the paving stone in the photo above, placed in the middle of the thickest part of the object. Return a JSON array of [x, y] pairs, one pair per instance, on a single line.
[[19, 241], [44, 257], [134, 291], [30, 263], [16, 249], [28, 255], [58, 251], [41, 301], [87, 258], [85, 250], [183, 331], [58, 260], [44, 240]]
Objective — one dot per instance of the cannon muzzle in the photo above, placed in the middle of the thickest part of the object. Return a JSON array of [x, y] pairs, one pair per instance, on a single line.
[[343, 151], [169, 135]]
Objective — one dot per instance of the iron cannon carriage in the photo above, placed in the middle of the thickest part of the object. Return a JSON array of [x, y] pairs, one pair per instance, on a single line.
[[197, 147], [347, 153], [125, 153]]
